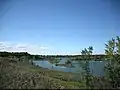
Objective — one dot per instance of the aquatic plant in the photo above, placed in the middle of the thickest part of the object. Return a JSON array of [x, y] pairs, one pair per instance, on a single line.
[[68, 62]]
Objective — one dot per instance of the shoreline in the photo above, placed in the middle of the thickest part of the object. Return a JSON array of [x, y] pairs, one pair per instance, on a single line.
[[16, 69]]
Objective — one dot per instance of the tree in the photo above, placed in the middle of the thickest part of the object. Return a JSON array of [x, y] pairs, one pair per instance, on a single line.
[[90, 49], [112, 50], [83, 53], [87, 53]]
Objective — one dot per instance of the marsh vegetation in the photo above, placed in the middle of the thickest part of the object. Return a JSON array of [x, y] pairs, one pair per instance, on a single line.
[[17, 70]]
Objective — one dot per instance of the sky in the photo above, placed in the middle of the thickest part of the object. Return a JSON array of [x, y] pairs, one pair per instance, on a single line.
[[59, 27]]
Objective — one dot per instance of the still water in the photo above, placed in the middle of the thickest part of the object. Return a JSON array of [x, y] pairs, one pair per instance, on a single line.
[[96, 67]]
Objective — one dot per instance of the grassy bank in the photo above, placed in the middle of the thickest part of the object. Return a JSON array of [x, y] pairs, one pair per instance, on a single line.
[[15, 74]]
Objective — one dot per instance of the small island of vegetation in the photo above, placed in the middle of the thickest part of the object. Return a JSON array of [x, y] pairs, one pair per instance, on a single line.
[[17, 71]]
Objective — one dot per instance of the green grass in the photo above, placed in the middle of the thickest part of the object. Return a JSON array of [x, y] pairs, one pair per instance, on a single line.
[[57, 74], [23, 75], [19, 75]]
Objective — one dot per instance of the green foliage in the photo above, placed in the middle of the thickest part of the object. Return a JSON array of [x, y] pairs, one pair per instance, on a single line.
[[118, 45], [57, 61], [54, 61], [87, 53], [68, 62], [25, 76], [51, 57], [113, 68]]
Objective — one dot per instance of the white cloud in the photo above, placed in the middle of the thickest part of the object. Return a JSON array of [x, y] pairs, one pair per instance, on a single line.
[[23, 47], [31, 48]]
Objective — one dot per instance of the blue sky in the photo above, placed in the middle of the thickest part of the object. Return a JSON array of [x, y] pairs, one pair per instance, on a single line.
[[58, 26]]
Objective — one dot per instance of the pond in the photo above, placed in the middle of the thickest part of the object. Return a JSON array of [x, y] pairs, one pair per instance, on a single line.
[[96, 67]]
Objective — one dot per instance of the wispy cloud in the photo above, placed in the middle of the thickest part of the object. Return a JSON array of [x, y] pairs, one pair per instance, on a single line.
[[32, 49], [23, 47]]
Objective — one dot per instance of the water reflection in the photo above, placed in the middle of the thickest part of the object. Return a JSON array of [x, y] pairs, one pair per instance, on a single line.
[[96, 67]]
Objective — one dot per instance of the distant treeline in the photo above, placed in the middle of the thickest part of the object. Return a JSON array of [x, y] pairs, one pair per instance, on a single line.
[[20, 54], [36, 57]]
